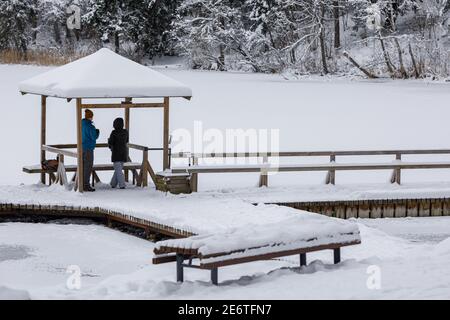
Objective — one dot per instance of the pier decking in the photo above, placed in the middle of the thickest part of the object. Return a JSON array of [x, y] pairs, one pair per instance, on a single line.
[[176, 216]]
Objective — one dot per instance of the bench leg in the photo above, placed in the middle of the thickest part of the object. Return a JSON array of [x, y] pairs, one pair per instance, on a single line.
[[180, 276], [215, 276], [337, 255], [302, 259]]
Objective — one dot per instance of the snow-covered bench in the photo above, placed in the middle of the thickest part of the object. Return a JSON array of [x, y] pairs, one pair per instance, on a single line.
[[73, 168], [298, 235]]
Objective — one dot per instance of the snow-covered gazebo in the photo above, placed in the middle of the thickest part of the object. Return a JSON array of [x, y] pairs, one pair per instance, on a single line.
[[104, 74]]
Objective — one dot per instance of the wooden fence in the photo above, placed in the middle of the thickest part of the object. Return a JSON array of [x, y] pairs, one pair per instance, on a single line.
[[397, 165]]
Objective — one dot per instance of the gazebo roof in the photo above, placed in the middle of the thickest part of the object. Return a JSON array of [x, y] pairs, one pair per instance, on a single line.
[[104, 74]]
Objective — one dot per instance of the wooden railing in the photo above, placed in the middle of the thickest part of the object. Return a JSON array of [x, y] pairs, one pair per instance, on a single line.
[[397, 166], [139, 178]]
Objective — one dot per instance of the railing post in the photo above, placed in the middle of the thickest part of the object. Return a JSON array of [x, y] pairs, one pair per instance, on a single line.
[[331, 175], [396, 174], [194, 176], [263, 178]]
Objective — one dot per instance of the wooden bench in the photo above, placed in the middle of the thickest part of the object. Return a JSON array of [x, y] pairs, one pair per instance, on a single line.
[[73, 168], [133, 166], [331, 168], [139, 170], [214, 260]]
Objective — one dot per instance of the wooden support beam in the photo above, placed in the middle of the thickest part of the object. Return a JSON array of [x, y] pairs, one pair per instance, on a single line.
[[43, 131], [122, 105], [151, 172], [59, 151], [166, 135], [74, 145], [309, 153], [127, 127], [80, 184]]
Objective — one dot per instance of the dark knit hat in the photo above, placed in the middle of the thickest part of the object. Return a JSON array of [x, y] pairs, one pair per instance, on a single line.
[[88, 114]]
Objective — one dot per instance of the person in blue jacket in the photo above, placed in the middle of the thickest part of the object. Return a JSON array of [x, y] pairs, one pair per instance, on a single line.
[[89, 139]]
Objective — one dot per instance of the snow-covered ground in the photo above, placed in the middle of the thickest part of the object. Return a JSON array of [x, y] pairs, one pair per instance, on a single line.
[[34, 259]]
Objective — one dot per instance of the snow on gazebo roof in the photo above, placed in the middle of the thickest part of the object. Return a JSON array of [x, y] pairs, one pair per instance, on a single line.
[[104, 74]]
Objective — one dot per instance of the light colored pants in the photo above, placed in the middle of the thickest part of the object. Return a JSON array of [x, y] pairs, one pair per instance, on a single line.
[[118, 177]]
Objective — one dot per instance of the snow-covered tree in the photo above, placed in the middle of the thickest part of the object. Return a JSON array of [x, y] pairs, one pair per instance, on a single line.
[[15, 24], [202, 30], [147, 25]]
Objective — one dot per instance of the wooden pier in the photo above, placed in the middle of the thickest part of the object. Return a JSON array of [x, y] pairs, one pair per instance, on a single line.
[[387, 208], [44, 213], [380, 208]]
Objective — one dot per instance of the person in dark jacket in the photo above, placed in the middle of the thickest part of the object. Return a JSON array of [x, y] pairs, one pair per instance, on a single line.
[[89, 139], [117, 142]]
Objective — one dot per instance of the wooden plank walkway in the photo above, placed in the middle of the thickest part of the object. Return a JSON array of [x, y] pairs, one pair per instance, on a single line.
[[387, 208], [13, 212]]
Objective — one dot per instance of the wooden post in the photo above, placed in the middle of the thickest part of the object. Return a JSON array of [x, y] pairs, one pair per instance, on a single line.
[[302, 259], [398, 157], [180, 259], [331, 176], [60, 166], [194, 176], [337, 255], [79, 148], [43, 131], [144, 169], [396, 174], [215, 276], [263, 177], [166, 134], [127, 126]]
